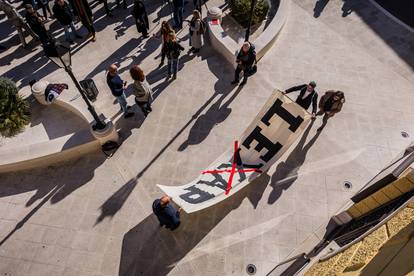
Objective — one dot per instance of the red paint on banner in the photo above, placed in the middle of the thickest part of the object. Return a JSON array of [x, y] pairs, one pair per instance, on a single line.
[[233, 169]]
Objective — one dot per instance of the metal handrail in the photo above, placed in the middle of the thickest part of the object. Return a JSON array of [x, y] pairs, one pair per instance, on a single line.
[[287, 261]]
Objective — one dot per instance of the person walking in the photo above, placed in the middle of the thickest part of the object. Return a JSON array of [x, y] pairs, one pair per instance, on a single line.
[[330, 104], [44, 5], [178, 13], [117, 86], [84, 12], [36, 23], [167, 215], [245, 60], [64, 15], [163, 34], [306, 96], [196, 32], [142, 90], [17, 20], [141, 18], [172, 51]]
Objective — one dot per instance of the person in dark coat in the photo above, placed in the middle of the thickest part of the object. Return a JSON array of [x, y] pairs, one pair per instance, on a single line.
[[84, 12], [117, 86], [141, 19], [163, 34], [167, 215], [306, 96], [44, 5], [245, 60], [64, 15], [330, 104], [36, 23], [172, 51], [178, 13], [14, 17]]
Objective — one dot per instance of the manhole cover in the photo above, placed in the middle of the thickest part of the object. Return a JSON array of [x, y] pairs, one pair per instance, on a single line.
[[404, 134], [347, 185], [251, 269]]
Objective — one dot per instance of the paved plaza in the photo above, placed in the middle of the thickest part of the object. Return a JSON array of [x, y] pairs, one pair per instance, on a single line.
[[93, 216]]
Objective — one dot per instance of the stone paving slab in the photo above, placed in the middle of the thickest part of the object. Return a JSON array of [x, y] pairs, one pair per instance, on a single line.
[[92, 216]]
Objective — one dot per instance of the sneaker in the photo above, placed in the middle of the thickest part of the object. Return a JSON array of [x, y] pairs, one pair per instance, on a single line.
[[235, 82], [174, 77], [129, 114]]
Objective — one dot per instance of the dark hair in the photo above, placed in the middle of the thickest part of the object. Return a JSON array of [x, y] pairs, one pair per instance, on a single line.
[[136, 73]]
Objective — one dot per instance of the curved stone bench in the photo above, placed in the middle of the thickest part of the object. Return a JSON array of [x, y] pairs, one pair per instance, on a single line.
[[64, 147], [228, 48]]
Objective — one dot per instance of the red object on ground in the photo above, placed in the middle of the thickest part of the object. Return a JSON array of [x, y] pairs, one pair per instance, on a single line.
[[233, 169], [214, 22]]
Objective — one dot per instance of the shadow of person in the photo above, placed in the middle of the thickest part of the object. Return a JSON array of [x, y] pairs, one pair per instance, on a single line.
[[52, 184], [148, 249], [216, 114], [287, 172], [319, 7]]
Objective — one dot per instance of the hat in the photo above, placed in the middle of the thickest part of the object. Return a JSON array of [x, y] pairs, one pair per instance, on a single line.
[[313, 84]]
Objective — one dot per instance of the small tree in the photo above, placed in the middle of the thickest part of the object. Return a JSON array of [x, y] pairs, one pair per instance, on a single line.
[[240, 10], [14, 110]]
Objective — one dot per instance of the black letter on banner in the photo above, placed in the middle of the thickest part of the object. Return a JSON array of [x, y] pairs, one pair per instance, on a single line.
[[195, 195], [277, 108], [263, 142]]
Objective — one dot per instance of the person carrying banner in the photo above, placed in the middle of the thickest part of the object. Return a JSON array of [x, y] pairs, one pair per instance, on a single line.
[[167, 215], [306, 96], [330, 104]]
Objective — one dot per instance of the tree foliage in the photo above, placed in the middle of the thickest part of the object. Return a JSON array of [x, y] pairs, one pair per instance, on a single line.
[[240, 10], [14, 110]]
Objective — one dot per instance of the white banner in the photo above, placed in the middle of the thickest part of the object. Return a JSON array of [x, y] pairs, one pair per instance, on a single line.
[[279, 123]]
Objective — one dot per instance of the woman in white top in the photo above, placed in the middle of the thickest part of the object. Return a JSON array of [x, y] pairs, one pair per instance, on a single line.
[[196, 32], [142, 90]]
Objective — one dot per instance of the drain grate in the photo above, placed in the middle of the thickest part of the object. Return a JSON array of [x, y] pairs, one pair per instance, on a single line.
[[347, 185], [404, 134], [251, 269]]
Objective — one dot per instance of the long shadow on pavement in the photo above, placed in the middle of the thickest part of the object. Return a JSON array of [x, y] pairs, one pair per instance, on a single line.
[[53, 183], [148, 249], [287, 172]]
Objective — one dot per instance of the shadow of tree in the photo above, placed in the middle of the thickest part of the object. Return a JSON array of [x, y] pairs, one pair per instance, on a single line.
[[286, 172], [148, 249]]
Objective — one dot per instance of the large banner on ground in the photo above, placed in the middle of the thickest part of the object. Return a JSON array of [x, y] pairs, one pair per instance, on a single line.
[[279, 123]]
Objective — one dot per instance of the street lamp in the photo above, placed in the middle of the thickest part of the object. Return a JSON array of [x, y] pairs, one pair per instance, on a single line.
[[253, 4], [59, 53]]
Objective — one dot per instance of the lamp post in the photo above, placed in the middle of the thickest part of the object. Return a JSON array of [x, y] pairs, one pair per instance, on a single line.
[[253, 5], [60, 54]]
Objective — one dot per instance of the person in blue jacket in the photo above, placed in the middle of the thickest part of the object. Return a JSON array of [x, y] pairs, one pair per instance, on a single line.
[[167, 215]]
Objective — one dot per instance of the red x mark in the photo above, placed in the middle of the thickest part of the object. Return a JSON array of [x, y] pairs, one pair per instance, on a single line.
[[233, 168]]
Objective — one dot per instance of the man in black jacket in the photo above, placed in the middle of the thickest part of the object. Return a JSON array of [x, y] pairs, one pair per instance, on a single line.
[[64, 15], [306, 96], [245, 60]]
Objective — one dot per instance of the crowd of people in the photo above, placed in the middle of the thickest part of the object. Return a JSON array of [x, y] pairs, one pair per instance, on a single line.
[[246, 64]]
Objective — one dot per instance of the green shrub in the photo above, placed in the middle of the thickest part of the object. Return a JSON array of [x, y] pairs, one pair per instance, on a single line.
[[14, 110], [240, 10]]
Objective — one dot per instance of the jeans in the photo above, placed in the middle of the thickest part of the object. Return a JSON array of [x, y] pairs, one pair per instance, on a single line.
[[178, 16], [67, 32], [172, 66], [123, 103], [238, 71]]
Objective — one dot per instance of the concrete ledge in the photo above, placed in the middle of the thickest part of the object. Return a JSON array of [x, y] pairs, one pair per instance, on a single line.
[[45, 153], [228, 48]]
